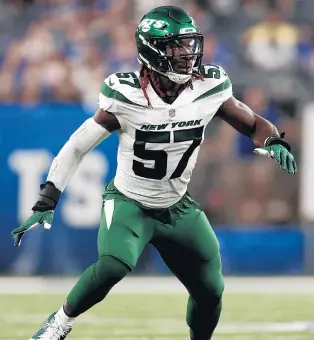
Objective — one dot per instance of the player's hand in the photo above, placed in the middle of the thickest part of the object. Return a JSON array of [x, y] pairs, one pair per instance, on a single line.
[[37, 218], [281, 155], [43, 211]]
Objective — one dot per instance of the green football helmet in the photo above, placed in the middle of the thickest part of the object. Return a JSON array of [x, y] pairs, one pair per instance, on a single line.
[[169, 42]]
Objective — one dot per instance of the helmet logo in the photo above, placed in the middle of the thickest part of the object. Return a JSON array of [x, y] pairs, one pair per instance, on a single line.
[[146, 24]]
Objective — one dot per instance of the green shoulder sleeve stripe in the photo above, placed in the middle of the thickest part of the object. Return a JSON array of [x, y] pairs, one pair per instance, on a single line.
[[219, 88], [110, 93]]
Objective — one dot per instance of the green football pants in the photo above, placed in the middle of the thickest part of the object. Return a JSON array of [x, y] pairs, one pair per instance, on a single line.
[[184, 239]]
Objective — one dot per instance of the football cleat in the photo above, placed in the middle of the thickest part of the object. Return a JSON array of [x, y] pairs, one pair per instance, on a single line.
[[52, 330]]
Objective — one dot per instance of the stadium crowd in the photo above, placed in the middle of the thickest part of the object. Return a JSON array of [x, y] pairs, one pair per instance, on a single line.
[[61, 50]]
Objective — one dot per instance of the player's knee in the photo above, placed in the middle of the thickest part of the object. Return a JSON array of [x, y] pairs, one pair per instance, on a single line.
[[211, 287], [110, 270], [214, 289], [211, 291]]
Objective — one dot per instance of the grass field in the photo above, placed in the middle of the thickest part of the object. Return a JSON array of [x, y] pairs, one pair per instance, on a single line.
[[143, 311]]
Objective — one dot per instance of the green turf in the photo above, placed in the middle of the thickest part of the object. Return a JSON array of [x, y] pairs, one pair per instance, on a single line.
[[160, 317]]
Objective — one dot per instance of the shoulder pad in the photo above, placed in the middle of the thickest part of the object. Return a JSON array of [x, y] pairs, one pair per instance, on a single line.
[[216, 80], [124, 88], [213, 72]]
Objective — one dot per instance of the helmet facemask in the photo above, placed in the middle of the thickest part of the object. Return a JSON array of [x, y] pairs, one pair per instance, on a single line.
[[175, 56]]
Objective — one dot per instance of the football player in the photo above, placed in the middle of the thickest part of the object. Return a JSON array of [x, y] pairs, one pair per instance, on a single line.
[[160, 114]]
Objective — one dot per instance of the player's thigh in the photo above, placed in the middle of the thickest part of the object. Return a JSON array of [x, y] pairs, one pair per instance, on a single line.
[[203, 279], [194, 232], [191, 251], [124, 231]]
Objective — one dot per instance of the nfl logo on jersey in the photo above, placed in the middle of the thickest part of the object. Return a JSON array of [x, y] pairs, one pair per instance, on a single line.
[[172, 113]]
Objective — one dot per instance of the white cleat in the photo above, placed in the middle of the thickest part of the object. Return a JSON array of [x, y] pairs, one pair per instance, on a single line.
[[51, 330]]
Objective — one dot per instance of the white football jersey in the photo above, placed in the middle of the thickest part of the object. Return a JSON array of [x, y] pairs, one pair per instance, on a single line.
[[158, 146]]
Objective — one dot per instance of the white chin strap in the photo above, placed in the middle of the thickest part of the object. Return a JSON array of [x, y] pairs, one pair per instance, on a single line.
[[178, 78], [175, 77]]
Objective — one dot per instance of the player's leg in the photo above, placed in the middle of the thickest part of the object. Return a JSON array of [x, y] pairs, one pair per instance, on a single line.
[[191, 251], [121, 239], [122, 236]]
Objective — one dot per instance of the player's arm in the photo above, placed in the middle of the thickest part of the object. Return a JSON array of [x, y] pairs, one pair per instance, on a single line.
[[107, 120], [92, 132], [263, 133], [247, 122]]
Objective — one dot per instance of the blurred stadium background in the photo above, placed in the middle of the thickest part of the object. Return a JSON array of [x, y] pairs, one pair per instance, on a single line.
[[54, 55]]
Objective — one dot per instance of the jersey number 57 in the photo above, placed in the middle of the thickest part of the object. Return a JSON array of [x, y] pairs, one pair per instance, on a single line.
[[160, 156]]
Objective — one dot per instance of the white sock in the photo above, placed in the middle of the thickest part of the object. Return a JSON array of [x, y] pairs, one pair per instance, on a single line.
[[63, 319]]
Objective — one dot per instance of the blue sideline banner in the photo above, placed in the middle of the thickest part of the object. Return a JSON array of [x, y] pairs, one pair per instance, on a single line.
[[29, 139], [255, 250]]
